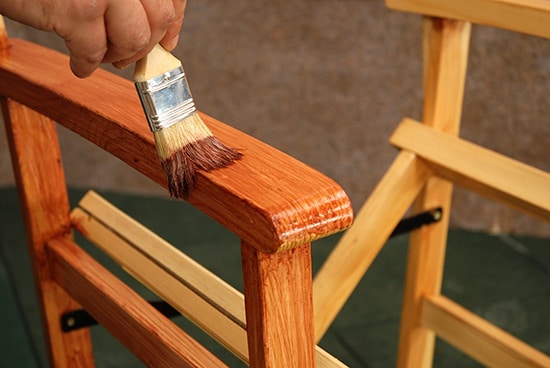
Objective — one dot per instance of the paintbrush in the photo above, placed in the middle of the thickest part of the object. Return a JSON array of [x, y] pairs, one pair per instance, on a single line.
[[183, 142]]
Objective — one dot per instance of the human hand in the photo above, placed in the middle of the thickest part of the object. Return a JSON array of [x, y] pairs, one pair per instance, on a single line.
[[103, 31]]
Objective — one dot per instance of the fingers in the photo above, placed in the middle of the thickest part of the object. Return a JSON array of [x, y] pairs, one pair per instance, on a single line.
[[117, 32], [171, 37], [86, 50], [127, 28], [84, 33], [161, 15]]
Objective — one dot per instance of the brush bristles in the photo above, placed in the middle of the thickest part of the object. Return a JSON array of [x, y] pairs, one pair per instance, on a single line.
[[186, 147]]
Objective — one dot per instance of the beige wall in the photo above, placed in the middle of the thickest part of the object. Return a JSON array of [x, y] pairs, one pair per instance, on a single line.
[[328, 81]]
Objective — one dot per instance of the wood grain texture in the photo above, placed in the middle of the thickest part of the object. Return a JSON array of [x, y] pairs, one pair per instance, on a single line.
[[153, 338], [483, 341], [279, 307], [267, 198], [214, 305], [486, 172], [359, 246], [211, 304], [526, 16], [445, 45], [36, 160]]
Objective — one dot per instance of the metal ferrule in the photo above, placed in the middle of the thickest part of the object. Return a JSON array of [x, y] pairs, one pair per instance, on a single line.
[[166, 99]]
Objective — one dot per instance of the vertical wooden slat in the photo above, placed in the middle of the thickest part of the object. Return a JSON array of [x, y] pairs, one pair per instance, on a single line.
[[279, 307], [445, 44], [41, 183]]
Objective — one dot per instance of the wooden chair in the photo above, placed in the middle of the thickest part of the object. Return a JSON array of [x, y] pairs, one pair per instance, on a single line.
[[431, 160], [275, 204]]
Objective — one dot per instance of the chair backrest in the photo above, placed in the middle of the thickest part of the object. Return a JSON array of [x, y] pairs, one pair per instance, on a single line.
[[432, 159], [427, 313], [275, 204]]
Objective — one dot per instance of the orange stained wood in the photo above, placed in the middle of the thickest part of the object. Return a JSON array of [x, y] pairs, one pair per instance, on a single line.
[[156, 340], [268, 199], [45, 208], [278, 297]]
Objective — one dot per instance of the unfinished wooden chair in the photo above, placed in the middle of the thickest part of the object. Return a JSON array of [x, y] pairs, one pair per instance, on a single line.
[[431, 160], [275, 204]]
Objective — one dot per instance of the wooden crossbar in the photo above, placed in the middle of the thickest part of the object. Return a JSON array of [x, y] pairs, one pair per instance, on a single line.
[[208, 301], [479, 169], [477, 337], [526, 16], [360, 245], [123, 312]]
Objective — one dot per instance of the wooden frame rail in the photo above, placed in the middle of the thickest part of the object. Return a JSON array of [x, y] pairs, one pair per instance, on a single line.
[[432, 159], [161, 343], [480, 339], [300, 205], [275, 204], [194, 291], [526, 16], [501, 178]]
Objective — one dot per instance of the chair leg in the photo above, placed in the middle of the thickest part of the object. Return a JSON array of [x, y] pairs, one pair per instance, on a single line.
[[45, 207], [446, 45], [424, 275], [279, 307]]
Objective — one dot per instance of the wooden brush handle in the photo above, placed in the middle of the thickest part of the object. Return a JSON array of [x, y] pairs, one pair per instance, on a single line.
[[3, 34], [157, 62]]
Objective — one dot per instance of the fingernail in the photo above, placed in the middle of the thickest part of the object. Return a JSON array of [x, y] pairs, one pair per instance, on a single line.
[[78, 72]]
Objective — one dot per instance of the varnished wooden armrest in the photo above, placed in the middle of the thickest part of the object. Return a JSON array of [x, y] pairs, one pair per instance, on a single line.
[[269, 199]]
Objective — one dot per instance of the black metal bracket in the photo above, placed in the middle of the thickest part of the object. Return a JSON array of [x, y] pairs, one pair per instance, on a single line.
[[80, 318], [417, 221]]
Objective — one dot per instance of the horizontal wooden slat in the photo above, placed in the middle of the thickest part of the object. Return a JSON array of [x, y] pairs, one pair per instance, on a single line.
[[153, 338], [269, 199], [197, 293], [172, 288], [478, 338], [359, 246], [486, 172], [186, 270], [527, 16]]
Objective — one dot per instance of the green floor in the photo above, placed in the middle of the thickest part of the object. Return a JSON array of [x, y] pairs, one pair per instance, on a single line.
[[505, 279]]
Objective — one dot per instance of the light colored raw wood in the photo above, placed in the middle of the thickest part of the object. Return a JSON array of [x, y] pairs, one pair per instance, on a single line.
[[172, 260], [360, 245], [445, 51], [270, 200], [527, 16], [279, 307], [156, 63], [36, 160], [445, 48], [480, 339], [267, 198], [486, 172], [171, 284], [153, 338], [211, 303]]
